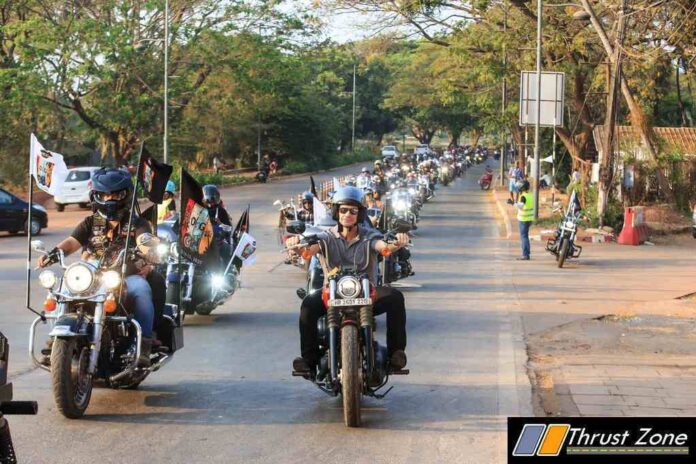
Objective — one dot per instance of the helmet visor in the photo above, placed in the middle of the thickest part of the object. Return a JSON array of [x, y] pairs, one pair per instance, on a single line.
[[114, 196]]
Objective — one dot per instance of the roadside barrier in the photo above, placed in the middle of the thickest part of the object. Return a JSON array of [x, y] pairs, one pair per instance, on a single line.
[[634, 232]]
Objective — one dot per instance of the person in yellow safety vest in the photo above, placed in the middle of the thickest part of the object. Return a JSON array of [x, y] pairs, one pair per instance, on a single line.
[[168, 207], [525, 216]]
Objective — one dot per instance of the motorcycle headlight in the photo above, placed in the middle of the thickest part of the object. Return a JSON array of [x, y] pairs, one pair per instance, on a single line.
[[111, 279], [348, 287], [174, 250], [570, 225], [48, 279], [162, 249], [217, 281], [79, 277], [400, 205], [412, 191]]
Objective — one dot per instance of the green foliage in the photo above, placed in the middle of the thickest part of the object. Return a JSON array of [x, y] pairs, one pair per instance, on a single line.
[[613, 216]]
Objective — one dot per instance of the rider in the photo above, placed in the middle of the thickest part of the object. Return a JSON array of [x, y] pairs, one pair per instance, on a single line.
[[348, 244], [218, 215], [306, 214], [102, 236]]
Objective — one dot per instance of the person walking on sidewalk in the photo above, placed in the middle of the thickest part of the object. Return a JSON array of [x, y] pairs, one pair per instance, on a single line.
[[525, 216], [515, 176]]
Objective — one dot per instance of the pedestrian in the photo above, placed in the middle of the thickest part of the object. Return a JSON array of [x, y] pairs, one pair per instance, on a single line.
[[217, 164], [525, 216], [514, 176]]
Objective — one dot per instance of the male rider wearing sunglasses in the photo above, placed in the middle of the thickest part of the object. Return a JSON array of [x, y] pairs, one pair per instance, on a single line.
[[351, 244]]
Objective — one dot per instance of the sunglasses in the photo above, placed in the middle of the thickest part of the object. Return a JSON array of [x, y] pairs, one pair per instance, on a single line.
[[352, 211]]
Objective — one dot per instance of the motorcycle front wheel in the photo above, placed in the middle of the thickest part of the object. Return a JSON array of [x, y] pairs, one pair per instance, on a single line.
[[351, 386], [563, 252], [72, 385]]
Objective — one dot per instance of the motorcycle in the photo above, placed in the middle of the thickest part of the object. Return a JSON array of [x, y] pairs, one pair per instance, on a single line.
[[9, 407], [563, 244], [353, 363], [95, 339], [198, 289], [262, 176], [486, 180], [400, 205]]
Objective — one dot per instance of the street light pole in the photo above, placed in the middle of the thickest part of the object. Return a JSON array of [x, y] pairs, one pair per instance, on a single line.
[[538, 113], [503, 150], [165, 142], [352, 143]]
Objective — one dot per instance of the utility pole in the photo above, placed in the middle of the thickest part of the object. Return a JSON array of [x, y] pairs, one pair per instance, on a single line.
[[607, 162], [537, 141], [165, 141], [352, 143], [503, 153]]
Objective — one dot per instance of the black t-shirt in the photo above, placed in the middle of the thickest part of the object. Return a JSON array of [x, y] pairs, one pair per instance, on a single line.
[[96, 241]]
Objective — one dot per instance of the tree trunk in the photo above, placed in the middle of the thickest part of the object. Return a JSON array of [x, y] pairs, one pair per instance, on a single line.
[[638, 117]]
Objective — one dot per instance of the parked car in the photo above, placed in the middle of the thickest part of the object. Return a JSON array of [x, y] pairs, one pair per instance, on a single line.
[[389, 151], [76, 188], [14, 213]]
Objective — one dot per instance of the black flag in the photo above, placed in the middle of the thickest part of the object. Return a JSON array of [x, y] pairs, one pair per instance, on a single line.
[[153, 177], [243, 225], [196, 236], [313, 189]]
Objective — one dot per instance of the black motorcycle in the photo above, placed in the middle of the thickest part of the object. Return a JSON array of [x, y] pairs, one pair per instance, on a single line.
[[353, 363], [562, 245], [198, 289]]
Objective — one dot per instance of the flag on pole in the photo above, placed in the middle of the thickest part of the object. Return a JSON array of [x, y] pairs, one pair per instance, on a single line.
[[245, 249], [196, 234], [153, 177], [48, 168], [313, 187], [336, 184]]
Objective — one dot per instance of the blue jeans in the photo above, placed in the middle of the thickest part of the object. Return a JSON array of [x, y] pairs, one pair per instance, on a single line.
[[139, 300], [524, 237]]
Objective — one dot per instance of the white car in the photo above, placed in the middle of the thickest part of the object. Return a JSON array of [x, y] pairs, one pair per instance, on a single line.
[[389, 151], [76, 188]]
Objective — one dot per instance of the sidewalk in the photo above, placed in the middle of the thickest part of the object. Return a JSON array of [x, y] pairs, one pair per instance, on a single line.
[[584, 362]]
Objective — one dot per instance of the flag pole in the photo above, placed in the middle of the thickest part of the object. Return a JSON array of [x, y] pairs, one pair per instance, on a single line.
[[29, 217], [130, 220]]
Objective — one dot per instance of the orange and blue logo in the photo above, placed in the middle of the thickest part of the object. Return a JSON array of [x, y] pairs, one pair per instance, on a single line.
[[541, 440]]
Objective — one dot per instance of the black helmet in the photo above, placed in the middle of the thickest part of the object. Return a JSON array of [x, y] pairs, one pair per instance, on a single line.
[[111, 181], [211, 195], [307, 196], [352, 196]]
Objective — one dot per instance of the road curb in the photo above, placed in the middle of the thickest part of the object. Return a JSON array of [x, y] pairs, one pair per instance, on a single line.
[[505, 215]]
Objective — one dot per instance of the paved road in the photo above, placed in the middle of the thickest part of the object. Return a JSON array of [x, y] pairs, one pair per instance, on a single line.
[[229, 397]]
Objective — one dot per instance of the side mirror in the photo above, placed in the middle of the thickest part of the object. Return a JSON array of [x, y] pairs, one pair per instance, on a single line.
[[38, 245], [295, 227]]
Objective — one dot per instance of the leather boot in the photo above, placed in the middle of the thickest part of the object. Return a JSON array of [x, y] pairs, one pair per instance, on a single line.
[[145, 350]]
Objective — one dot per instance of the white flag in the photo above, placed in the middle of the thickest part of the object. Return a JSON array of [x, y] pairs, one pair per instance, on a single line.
[[337, 184], [321, 213], [245, 249], [48, 168]]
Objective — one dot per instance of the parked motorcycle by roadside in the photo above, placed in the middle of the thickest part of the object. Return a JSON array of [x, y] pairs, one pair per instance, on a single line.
[[563, 244]]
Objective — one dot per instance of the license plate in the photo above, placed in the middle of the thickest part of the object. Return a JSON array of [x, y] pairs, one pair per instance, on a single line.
[[351, 302]]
